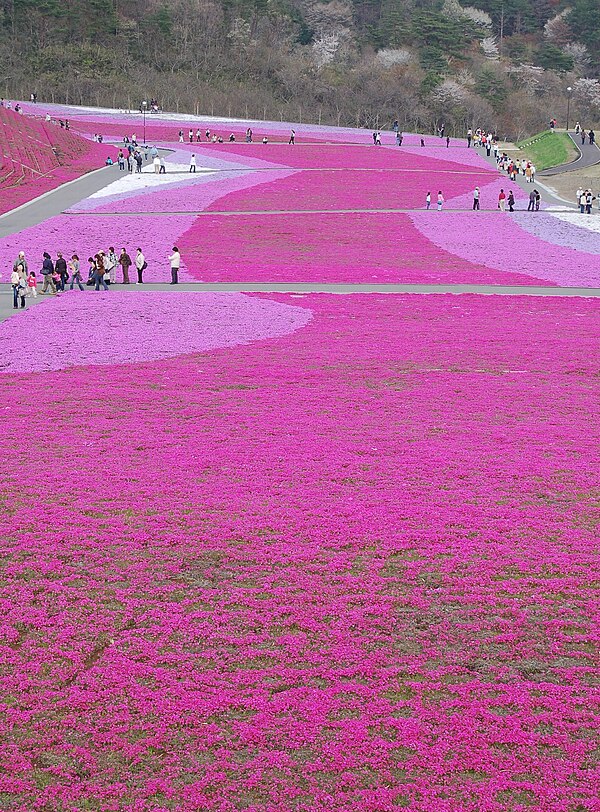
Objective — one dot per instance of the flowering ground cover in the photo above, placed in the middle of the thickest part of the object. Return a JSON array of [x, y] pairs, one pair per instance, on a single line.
[[500, 242], [115, 328], [348, 189], [323, 248], [350, 567], [345, 156], [36, 157]]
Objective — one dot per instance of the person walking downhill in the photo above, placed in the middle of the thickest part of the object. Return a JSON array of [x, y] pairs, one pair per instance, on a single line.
[[47, 272], [193, 162], [75, 272], [22, 285], [531, 204], [125, 263], [60, 268], [175, 260], [440, 201], [14, 281], [32, 285], [99, 273], [476, 199], [538, 200], [20, 260], [502, 200], [511, 201], [140, 266]]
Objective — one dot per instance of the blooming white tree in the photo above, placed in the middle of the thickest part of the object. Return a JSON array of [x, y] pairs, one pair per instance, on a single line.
[[580, 56], [325, 48], [587, 92], [454, 10], [489, 46], [394, 56], [529, 77], [557, 30]]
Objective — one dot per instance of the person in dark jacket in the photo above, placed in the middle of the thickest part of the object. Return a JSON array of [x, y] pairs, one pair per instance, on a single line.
[[60, 266], [47, 271], [125, 263]]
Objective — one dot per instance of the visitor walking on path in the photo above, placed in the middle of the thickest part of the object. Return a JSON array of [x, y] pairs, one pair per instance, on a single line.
[[20, 260], [32, 285], [140, 266], [47, 271], [511, 201], [440, 201], [476, 199], [156, 165], [193, 162], [14, 281], [61, 269], [175, 260], [428, 200], [502, 200], [531, 204], [125, 263], [292, 137], [99, 271], [75, 272]]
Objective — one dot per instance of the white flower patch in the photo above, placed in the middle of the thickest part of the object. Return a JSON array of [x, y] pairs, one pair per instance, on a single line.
[[149, 180]]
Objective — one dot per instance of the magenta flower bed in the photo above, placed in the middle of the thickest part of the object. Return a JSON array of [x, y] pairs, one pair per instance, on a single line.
[[361, 156], [350, 189], [28, 142], [329, 248], [348, 568]]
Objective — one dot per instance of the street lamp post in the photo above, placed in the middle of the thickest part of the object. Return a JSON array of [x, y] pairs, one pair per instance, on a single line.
[[144, 108], [569, 91]]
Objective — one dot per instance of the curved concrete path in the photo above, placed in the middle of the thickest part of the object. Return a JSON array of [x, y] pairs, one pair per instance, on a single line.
[[589, 155]]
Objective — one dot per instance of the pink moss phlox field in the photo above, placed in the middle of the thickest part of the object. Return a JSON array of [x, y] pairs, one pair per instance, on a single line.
[[570, 234], [123, 327], [499, 242], [30, 147], [316, 248], [349, 189], [86, 234], [351, 568], [488, 195], [191, 196]]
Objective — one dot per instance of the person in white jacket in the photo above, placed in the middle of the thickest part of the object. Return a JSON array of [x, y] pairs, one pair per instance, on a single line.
[[140, 265], [175, 260]]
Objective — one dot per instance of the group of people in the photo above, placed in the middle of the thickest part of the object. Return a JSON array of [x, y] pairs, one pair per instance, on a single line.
[[590, 135], [215, 138], [585, 200], [102, 272]]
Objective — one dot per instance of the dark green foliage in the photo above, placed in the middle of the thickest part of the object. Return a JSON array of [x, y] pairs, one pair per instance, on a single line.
[[492, 88], [549, 56]]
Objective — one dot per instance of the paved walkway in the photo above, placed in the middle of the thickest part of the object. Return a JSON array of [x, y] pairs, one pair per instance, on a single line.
[[589, 155], [53, 203]]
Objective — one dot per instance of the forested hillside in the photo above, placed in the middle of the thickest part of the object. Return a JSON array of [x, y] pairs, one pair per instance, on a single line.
[[502, 63]]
